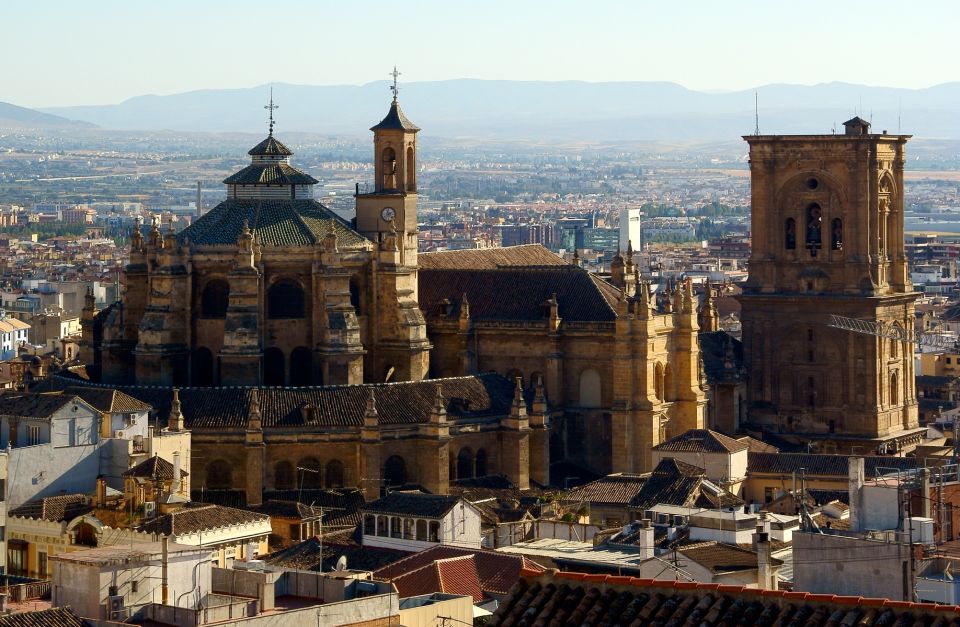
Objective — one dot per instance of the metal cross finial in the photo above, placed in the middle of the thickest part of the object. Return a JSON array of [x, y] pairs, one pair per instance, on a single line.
[[270, 107], [394, 87]]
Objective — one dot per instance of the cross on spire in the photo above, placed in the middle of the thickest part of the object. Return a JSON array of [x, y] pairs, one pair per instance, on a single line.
[[270, 107], [394, 87]]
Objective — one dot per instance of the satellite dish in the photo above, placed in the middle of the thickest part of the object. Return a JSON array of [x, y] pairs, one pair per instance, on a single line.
[[341, 563]]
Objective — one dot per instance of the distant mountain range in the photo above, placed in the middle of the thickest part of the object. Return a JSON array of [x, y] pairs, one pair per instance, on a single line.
[[12, 116], [569, 110]]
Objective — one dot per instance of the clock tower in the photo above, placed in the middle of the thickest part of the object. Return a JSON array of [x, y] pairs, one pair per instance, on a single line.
[[388, 217]]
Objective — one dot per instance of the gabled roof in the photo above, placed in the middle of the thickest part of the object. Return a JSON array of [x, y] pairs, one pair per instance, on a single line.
[[451, 575], [287, 509], [155, 468], [34, 405], [108, 400], [299, 222], [271, 146], [567, 598], [395, 120], [702, 441], [674, 482], [823, 465], [412, 503], [54, 508], [518, 293], [718, 557], [490, 258], [609, 490], [196, 517], [496, 572]]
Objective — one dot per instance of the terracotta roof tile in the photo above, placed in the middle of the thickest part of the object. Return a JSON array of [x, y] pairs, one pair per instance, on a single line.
[[155, 468], [822, 465], [109, 400], [426, 505], [702, 441], [54, 508], [52, 617], [568, 598], [612, 489], [479, 396], [395, 120], [196, 517], [490, 258], [516, 293], [271, 146]]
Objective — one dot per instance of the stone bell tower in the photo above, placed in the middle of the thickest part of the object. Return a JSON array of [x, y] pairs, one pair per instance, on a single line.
[[398, 348], [827, 224]]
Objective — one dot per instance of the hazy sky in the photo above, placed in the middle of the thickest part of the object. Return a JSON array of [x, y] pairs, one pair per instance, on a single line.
[[65, 52]]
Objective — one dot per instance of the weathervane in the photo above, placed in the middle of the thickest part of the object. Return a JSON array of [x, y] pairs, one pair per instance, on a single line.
[[271, 107], [394, 87]]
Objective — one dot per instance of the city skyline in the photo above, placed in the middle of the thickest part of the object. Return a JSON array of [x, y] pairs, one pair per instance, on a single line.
[[702, 46]]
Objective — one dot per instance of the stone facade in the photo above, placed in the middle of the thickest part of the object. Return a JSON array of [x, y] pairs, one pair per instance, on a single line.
[[271, 288], [269, 296], [828, 239]]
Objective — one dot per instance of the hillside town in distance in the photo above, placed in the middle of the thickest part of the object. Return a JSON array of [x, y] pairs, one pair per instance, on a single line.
[[410, 386]]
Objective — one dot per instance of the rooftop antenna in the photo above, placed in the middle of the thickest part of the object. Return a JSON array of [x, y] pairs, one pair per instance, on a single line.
[[756, 112], [271, 107], [394, 87]]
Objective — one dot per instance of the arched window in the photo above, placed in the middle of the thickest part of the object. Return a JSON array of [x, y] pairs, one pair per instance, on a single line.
[[394, 471], [201, 367], [219, 475], [836, 234], [333, 477], [285, 300], [790, 234], [894, 389], [283, 476], [465, 464], [273, 367], [590, 395], [658, 381], [85, 535], [215, 299], [308, 473], [814, 236], [481, 463], [389, 168], [301, 366], [411, 167]]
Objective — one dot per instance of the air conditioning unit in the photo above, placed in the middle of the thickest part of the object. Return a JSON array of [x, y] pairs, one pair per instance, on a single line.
[[119, 434], [115, 609], [149, 509]]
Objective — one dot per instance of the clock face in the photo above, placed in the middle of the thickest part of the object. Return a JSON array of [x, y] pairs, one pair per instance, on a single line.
[[388, 214]]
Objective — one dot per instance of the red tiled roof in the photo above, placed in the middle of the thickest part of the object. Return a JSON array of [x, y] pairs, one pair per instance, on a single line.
[[564, 598], [702, 441], [496, 572], [452, 575]]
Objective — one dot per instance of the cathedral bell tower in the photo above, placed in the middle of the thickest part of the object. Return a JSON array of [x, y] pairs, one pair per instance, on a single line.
[[827, 231], [399, 348]]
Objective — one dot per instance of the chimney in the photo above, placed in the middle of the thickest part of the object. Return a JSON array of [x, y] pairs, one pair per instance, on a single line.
[[101, 492], [765, 578], [645, 540], [855, 486], [175, 486]]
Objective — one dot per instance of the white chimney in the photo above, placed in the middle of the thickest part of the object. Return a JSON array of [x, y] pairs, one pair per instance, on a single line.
[[645, 539], [765, 577], [855, 471], [175, 486]]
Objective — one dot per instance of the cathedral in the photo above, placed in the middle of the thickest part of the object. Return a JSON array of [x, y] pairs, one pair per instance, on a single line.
[[301, 349]]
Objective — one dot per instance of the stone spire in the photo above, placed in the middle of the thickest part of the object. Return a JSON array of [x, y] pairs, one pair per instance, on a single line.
[[687, 300], [539, 398], [175, 420], [436, 426], [254, 419], [709, 319], [371, 419], [618, 274], [519, 407], [643, 300], [136, 237]]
